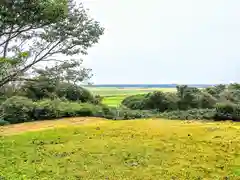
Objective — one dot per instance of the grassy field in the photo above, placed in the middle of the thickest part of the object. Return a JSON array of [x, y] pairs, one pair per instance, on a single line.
[[113, 100], [94, 148], [126, 91], [114, 96]]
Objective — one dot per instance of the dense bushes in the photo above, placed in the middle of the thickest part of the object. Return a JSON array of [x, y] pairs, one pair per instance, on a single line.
[[39, 88], [152, 101], [135, 101], [3, 122], [207, 114], [17, 109], [21, 109], [50, 109], [190, 102], [185, 98], [74, 93], [71, 101], [227, 111], [42, 88]]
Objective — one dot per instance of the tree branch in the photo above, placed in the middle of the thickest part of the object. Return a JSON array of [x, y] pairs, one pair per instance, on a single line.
[[7, 42], [12, 76]]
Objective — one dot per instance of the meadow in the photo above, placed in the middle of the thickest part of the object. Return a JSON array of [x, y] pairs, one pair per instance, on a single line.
[[113, 96], [92, 148]]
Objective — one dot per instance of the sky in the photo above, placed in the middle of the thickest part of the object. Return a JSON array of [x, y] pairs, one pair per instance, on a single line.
[[165, 41]]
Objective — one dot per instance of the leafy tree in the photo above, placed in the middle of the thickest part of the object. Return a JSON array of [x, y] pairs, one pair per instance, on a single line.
[[39, 88], [74, 92], [33, 32], [188, 97], [17, 109], [70, 71], [234, 86], [216, 90], [231, 95], [206, 100]]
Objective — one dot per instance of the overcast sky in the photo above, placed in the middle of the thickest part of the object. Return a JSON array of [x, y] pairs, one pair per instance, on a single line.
[[166, 41]]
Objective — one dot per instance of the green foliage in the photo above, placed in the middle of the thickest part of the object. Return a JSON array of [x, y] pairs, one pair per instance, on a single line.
[[152, 101], [3, 122], [20, 109], [50, 109], [47, 109], [17, 109], [127, 114], [161, 101], [97, 99], [135, 101], [44, 87], [234, 86], [231, 95], [74, 93], [188, 97], [43, 29], [192, 114], [39, 88], [216, 90], [227, 111], [206, 100]]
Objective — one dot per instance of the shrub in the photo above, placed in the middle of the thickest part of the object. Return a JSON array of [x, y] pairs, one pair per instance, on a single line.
[[216, 90], [97, 99], [231, 95], [3, 122], [39, 88], [17, 109], [43, 87], [227, 111], [206, 100], [47, 109], [74, 93], [50, 109], [125, 114], [171, 101], [188, 97], [156, 100], [152, 101], [135, 101], [234, 86], [192, 114]]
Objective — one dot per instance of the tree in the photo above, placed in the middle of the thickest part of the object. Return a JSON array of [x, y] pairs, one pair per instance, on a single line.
[[71, 71], [33, 32], [189, 97]]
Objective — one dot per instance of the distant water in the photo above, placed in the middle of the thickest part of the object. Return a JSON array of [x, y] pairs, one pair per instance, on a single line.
[[148, 85]]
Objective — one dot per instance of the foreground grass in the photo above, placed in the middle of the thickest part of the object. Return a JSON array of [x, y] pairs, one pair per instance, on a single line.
[[140, 149]]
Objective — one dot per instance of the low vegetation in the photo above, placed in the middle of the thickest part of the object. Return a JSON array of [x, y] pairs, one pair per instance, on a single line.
[[69, 100], [220, 102]]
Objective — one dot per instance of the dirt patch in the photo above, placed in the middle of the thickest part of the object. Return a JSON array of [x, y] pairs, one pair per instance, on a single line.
[[43, 125]]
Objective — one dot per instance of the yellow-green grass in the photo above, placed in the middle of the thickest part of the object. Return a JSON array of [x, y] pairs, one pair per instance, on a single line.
[[138, 149], [113, 100]]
